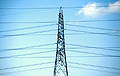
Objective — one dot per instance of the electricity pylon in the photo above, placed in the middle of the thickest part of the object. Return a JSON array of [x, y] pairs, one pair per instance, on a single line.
[[60, 61]]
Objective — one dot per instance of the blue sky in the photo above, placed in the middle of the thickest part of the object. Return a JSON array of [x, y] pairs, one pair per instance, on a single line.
[[44, 15]]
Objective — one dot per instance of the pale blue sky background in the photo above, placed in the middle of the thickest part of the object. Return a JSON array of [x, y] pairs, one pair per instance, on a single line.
[[43, 15]]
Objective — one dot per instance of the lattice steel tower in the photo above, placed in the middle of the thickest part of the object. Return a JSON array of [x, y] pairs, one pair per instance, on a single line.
[[60, 61]]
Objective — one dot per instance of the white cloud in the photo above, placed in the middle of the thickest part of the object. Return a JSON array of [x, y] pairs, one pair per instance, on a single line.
[[93, 11]]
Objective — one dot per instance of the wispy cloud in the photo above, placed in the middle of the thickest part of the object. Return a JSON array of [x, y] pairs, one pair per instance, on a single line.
[[93, 11]]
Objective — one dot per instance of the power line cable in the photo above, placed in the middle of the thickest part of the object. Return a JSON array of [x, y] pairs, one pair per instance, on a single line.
[[40, 48], [55, 48], [28, 22], [56, 34], [94, 56], [26, 54], [86, 32], [81, 33], [58, 7], [19, 13], [92, 27], [111, 47], [65, 21], [93, 47], [85, 48], [70, 57], [45, 8], [37, 57], [93, 32], [95, 20], [25, 70], [90, 10], [99, 11], [2, 36], [27, 28], [89, 6], [3, 50], [25, 66], [93, 53], [51, 34], [94, 65], [94, 70]]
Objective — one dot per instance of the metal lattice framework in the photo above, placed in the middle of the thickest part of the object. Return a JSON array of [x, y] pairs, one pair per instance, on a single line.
[[60, 61]]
